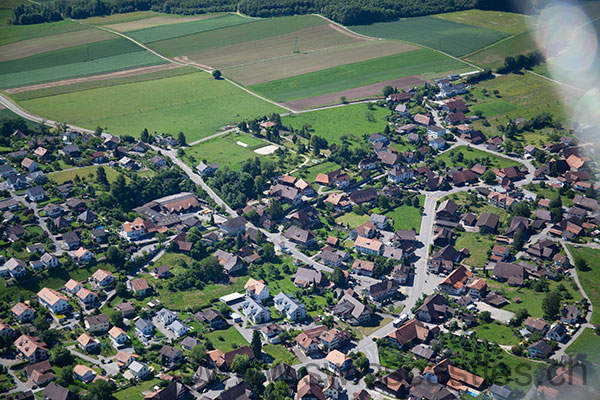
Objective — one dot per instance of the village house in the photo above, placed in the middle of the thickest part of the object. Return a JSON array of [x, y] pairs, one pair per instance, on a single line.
[[53, 300], [435, 309], [456, 282], [300, 236], [368, 246], [212, 318], [257, 289], [102, 278], [87, 343], [339, 363], [139, 286], [31, 348], [118, 337], [23, 312], [289, 307], [381, 291], [97, 323]]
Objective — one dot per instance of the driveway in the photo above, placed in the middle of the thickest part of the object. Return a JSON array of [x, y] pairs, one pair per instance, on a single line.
[[497, 313]]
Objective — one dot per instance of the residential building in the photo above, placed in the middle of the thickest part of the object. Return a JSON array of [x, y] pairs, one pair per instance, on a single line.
[[339, 363], [97, 323], [288, 306], [255, 311], [53, 300], [257, 289]]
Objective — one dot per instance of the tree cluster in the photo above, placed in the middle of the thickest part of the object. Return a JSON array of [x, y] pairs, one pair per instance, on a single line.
[[348, 12], [513, 64]]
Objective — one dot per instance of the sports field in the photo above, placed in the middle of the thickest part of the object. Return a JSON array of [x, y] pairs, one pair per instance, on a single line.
[[358, 74], [225, 150], [193, 103], [450, 37]]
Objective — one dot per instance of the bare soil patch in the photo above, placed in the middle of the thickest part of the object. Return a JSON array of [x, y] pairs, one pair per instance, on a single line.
[[112, 75], [363, 92], [31, 47], [154, 21], [349, 33]]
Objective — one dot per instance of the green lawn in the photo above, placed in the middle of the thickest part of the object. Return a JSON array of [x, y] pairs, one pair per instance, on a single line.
[[493, 108], [352, 219], [180, 300], [477, 244], [587, 343], [478, 205], [193, 103], [309, 174], [549, 192], [349, 76], [61, 177], [478, 156], [530, 299], [350, 121], [226, 339], [407, 217], [497, 333], [225, 150], [175, 30], [280, 354], [448, 36], [590, 280], [136, 392]]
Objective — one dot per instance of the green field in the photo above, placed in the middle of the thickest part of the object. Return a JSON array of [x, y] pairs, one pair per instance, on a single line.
[[477, 244], [529, 298], [225, 151], [226, 339], [480, 156], [549, 192], [280, 354], [309, 174], [136, 392], [15, 33], [61, 177], [171, 31], [254, 30], [194, 103], [493, 108], [498, 333], [508, 23], [76, 87], [407, 217], [530, 95], [587, 343], [85, 68], [70, 55], [333, 123], [590, 280], [352, 219], [358, 74], [450, 37], [493, 56]]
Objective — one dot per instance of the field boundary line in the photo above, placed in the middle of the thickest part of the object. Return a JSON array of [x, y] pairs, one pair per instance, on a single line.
[[186, 64]]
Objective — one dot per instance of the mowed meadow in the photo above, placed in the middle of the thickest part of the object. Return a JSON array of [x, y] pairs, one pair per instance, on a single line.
[[193, 102]]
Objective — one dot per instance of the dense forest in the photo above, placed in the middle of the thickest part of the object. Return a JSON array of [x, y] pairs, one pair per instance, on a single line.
[[348, 12]]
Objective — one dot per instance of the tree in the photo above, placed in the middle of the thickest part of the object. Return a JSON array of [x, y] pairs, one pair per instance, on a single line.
[[41, 323], [302, 372], [98, 130], [521, 209], [519, 240], [338, 277], [145, 136], [256, 380], [198, 354], [277, 391], [268, 251], [181, 139], [361, 364], [101, 176], [64, 376], [116, 318], [581, 264], [488, 177], [61, 356], [240, 363], [369, 380], [116, 256], [551, 305], [256, 344], [485, 316], [383, 202], [387, 90], [216, 74], [99, 390]]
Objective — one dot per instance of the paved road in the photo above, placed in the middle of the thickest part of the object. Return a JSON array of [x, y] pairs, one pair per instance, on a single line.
[[111, 368]]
